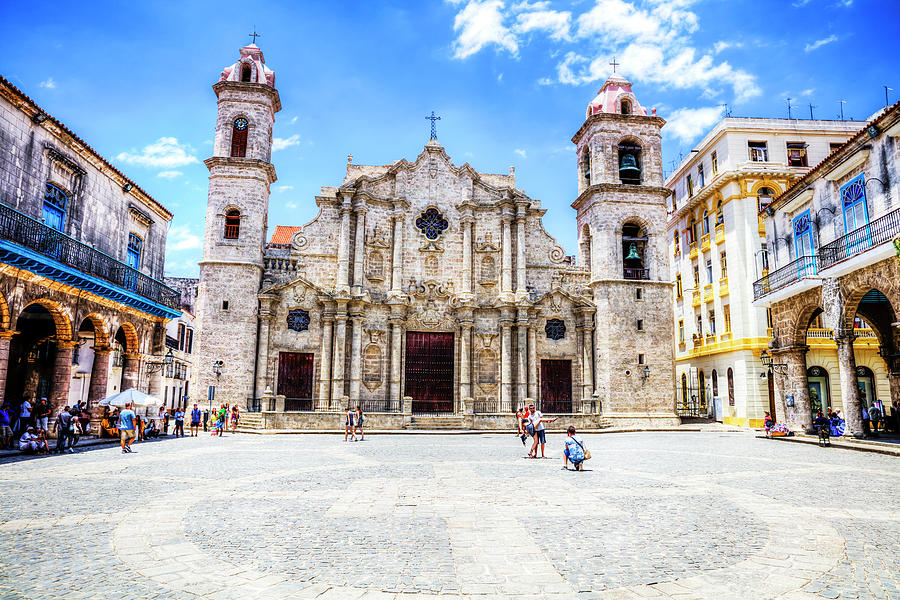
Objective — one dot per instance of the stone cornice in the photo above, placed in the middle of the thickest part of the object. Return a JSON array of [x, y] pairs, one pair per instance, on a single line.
[[233, 161], [662, 192], [615, 118], [256, 87]]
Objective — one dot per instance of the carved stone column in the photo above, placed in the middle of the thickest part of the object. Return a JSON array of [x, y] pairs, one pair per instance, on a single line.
[[325, 358], [587, 367], [849, 386], [343, 259], [505, 361], [131, 368], [266, 314], [99, 377], [506, 243], [356, 356], [798, 417], [340, 344], [397, 260], [62, 375], [358, 252], [522, 356], [521, 283], [396, 348], [532, 363], [467, 224], [5, 340], [465, 358]]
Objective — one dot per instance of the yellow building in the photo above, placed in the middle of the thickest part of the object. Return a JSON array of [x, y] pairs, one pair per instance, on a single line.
[[718, 248]]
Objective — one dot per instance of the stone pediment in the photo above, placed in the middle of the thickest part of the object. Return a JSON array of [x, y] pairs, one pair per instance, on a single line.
[[298, 291], [378, 238], [556, 300], [486, 243]]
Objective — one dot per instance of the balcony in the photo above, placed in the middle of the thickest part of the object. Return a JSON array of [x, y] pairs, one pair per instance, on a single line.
[[677, 253], [720, 233], [725, 337], [695, 301], [633, 273], [33, 246], [880, 231], [802, 268], [693, 251], [704, 243], [723, 286], [698, 340], [707, 292]]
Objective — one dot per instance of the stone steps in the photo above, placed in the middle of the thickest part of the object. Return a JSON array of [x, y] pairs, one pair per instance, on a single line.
[[449, 421], [251, 420]]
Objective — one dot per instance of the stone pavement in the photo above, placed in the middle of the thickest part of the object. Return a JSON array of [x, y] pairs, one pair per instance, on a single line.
[[714, 515]]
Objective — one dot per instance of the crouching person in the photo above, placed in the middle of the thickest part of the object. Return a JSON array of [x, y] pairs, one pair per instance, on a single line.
[[31, 443], [574, 451]]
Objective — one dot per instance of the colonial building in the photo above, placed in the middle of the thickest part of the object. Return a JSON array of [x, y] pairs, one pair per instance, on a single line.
[[424, 286], [82, 307], [717, 241], [176, 386], [834, 239]]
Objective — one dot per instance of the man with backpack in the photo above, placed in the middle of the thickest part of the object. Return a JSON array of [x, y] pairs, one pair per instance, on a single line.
[[64, 423]]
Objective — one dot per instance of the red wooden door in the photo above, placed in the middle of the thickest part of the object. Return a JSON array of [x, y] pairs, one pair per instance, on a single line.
[[295, 376], [429, 371], [556, 386]]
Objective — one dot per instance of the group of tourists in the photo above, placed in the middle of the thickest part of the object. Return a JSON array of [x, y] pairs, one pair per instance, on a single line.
[[220, 419], [530, 424], [26, 427], [353, 424]]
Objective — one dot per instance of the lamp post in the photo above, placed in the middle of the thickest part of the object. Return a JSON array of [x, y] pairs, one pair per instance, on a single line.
[[217, 369], [645, 374], [766, 359], [164, 361]]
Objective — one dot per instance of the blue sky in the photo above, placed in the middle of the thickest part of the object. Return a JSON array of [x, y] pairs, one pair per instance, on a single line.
[[510, 81]]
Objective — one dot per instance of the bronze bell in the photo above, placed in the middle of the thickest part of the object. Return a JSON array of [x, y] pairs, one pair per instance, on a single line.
[[628, 167], [633, 252]]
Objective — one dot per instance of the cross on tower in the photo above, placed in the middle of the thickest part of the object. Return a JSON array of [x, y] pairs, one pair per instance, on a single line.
[[433, 118], [614, 64], [254, 35]]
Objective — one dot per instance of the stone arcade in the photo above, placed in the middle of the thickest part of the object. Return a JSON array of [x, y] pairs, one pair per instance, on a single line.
[[427, 287]]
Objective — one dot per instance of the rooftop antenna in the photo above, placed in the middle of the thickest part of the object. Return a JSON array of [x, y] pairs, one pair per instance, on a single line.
[[811, 117], [886, 101], [842, 103], [727, 112], [789, 109]]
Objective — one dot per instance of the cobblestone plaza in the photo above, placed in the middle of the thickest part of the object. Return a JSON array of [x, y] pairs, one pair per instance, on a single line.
[[657, 515]]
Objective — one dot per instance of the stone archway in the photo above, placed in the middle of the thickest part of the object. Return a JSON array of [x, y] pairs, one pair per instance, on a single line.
[[94, 358], [127, 339]]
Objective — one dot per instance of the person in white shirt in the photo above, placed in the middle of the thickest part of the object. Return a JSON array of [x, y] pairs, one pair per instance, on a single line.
[[537, 420], [30, 442]]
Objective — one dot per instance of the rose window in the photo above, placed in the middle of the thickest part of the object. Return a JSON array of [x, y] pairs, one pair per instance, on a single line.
[[432, 223]]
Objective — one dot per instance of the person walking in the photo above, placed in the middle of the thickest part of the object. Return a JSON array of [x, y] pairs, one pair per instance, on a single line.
[[25, 414], [349, 425], [220, 420], [359, 423], [63, 425], [6, 434], [179, 422], [196, 415], [573, 450], [206, 418], [540, 436], [126, 425], [235, 417]]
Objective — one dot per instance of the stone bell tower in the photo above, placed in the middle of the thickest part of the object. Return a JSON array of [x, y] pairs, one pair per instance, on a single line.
[[621, 219], [231, 270]]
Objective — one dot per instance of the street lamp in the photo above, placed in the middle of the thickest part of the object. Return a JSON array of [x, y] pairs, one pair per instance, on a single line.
[[164, 361], [766, 359], [645, 375], [217, 369]]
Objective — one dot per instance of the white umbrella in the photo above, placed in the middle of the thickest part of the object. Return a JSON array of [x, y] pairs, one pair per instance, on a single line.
[[137, 398]]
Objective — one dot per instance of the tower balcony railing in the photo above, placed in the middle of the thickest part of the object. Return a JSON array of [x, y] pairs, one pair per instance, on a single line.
[[803, 267], [635, 273], [34, 235], [877, 232]]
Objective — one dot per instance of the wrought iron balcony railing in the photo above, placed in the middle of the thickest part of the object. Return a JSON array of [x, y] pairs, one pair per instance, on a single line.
[[36, 236], [633, 273], [875, 233], [803, 267]]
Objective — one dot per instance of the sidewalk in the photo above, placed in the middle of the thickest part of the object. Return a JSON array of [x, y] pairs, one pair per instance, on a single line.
[[890, 448], [85, 443]]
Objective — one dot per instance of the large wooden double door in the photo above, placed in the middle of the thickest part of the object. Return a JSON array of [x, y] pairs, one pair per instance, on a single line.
[[295, 378], [556, 386], [429, 371]]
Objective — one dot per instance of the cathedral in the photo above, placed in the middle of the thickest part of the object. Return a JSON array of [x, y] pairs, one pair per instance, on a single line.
[[424, 287]]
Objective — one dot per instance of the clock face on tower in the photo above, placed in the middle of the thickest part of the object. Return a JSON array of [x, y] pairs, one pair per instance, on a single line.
[[240, 123]]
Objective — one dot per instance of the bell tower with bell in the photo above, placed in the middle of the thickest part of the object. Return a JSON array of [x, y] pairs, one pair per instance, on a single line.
[[621, 216]]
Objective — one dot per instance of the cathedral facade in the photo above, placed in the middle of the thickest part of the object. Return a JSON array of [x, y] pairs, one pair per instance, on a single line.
[[429, 287]]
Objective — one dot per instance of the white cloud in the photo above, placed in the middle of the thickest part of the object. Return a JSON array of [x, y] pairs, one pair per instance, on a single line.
[[808, 92], [500, 78], [553, 22], [687, 124], [820, 43], [282, 143], [164, 153], [169, 174], [283, 188], [293, 121], [290, 205], [651, 40], [180, 237], [521, 152], [48, 83], [480, 24]]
